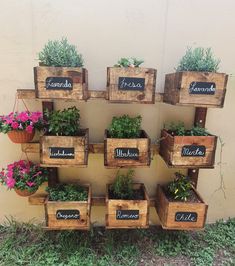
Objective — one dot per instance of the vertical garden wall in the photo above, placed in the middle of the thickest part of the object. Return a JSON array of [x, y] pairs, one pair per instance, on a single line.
[[159, 32]]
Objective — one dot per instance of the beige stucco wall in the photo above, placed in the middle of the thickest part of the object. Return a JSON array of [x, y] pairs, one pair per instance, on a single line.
[[157, 31]]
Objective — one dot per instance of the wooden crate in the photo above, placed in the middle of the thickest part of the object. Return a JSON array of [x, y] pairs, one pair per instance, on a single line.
[[77, 212], [65, 150], [180, 215], [188, 151], [202, 89], [127, 213], [61, 82], [131, 84], [137, 151]]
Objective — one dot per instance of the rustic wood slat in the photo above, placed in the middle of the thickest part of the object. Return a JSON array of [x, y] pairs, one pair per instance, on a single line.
[[167, 212], [29, 94]]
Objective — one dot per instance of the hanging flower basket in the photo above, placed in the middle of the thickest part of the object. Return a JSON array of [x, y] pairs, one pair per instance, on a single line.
[[18, 136], [24, 192]]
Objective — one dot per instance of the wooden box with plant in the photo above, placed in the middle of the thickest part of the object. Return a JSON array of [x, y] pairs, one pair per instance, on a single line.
[[127, 203], [127, 82], [125, 144], [25, 177], [68, 206], [194, 147], [64, 142], [20, 126], [179, 205], [196, 81], [60, 74]]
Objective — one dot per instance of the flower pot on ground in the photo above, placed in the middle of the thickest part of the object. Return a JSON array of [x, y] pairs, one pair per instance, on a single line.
[[64, 143], [196, 82], [127, 82], [60, 74], [179, 205], [187, 148], [24, 177], [127, 203], [68, 207], [125, 144], [20, 126]]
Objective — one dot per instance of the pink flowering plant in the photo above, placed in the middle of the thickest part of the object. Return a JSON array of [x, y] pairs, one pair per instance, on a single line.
[[23, 175], [21, 121]]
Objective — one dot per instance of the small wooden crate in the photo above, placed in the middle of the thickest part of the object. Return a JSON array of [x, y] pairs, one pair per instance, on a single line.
[[115, 149], [131, 84], [202, 89], [77, 212], [61, 82], [56, 151], [188, 151], [180, 215], [127, 213]]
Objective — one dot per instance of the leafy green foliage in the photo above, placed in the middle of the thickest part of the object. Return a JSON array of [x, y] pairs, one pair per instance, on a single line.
[[122, 187], [27, 244], [60, 54], [178, 129], [63, 123], [67, 192], [129, 62], [125, 127], [180, 187], [198, 59]]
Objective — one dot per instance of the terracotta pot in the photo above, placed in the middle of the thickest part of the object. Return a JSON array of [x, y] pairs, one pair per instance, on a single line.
[[18, 136], [24, 193]]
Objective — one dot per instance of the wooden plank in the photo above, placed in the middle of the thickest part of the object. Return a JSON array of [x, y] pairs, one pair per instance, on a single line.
[[29, 94], [33, 147]]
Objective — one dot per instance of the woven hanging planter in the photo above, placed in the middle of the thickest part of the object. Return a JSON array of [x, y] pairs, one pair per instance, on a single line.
[[18, 136]]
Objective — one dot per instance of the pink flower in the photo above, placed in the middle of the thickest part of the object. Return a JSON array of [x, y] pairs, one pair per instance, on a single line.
[[23, 117], [14, 125], [20, 126], [29, 129], [38, 173], [8, 120], [34, 118], [10, 182], [30, 184], [10, 167], [10, 174]]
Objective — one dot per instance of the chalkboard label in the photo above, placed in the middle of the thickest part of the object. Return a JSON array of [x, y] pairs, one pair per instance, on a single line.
[[61, 153], [59, 83], [186, 217], [131, 84], [193, 151], [127, 214], [126, 153], [67, 215], [207, 88]]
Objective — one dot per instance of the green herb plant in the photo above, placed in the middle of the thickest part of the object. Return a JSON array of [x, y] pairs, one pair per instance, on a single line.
[[180, 187], [67, 192], [63, 123], [60, 53], [122, 187], [178, 129], [198, 59], [125, 127], [129, 62]]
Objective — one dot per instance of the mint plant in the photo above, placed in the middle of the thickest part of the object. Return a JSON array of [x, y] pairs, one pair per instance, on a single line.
[[178, 129], [60, 53], [122, 187], [63, 123], [67, 192], [129, 62], [125, 127], [180, 187], [198, 59]]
